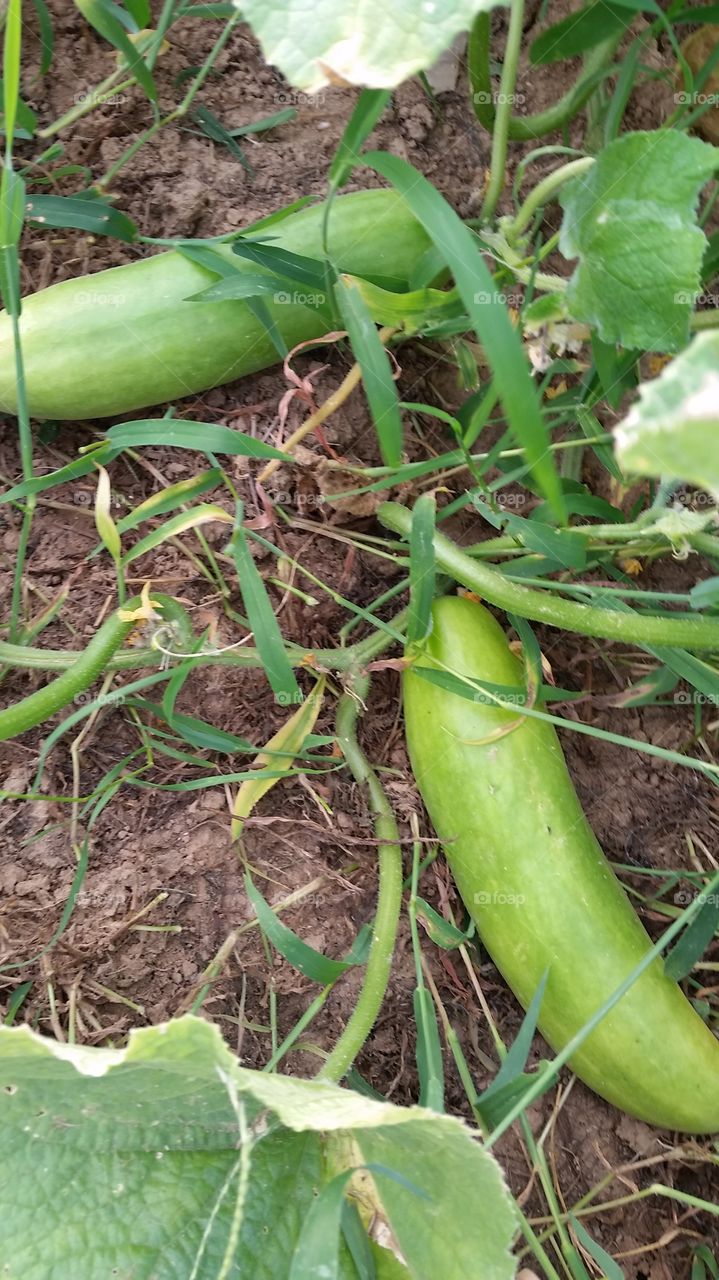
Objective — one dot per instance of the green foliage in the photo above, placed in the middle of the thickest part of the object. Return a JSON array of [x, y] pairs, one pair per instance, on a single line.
[[341, 40], [673, 428], [631, 221], [169, 1157]]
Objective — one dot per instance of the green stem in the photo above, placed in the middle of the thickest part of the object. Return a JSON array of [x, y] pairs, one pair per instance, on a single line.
[[596, 532], [543, 193], [167, 17], [682, 631], [705, 319], [112, 83], [389, 892], [39, 706], [527, 128], [503, 114], [338, 660]]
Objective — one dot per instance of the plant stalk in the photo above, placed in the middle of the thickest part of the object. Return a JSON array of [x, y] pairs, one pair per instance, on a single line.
[[503, 113], [543, 193], [554, 118], [682, 631], [389, 892]]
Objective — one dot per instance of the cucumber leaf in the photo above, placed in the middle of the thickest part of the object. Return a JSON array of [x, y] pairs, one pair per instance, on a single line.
[[673, 429], [167, 1157], [631, 221], [372, 44]]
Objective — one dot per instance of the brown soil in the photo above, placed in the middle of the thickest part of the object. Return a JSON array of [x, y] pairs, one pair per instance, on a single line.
[[169, 854]]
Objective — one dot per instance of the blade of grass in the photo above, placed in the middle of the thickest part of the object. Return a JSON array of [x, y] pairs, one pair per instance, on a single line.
[[610, 1270], [421, 569], [172, 528], [215, 130], [87, 213], [12, 199], [694, 941], [101, 14], [206, 437], [268, 637], [315, 966], [490, 318], [47, 37], [317, 1252], [373, 361], [368, 109], [428, 1051], [283, 746], [167, 499]]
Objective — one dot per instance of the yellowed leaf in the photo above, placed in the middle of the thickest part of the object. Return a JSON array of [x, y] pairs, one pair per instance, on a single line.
[[104, 522], [279, 752], [146, 610]]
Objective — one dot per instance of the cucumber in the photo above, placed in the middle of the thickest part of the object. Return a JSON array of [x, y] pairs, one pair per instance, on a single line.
[[127, 338], [52, 697], [544, 898], [87, 667]]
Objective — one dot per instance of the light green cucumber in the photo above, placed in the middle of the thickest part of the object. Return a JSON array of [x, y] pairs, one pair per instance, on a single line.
[[543, 896], [127, 338]]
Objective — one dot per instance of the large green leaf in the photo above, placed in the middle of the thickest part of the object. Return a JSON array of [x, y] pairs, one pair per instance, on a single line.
[[455, 1223], [373, 43], [141, 1158], [130, 1152], [673, 429], [631, 221]]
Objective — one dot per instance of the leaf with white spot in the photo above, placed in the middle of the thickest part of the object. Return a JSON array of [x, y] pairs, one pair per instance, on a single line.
[[316, 43], [673, 429]]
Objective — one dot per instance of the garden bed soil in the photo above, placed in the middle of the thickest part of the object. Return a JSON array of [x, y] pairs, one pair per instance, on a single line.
[[164, 859]]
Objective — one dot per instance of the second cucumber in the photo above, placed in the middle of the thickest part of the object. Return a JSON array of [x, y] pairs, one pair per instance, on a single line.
[[126, 338], [543, 896]]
